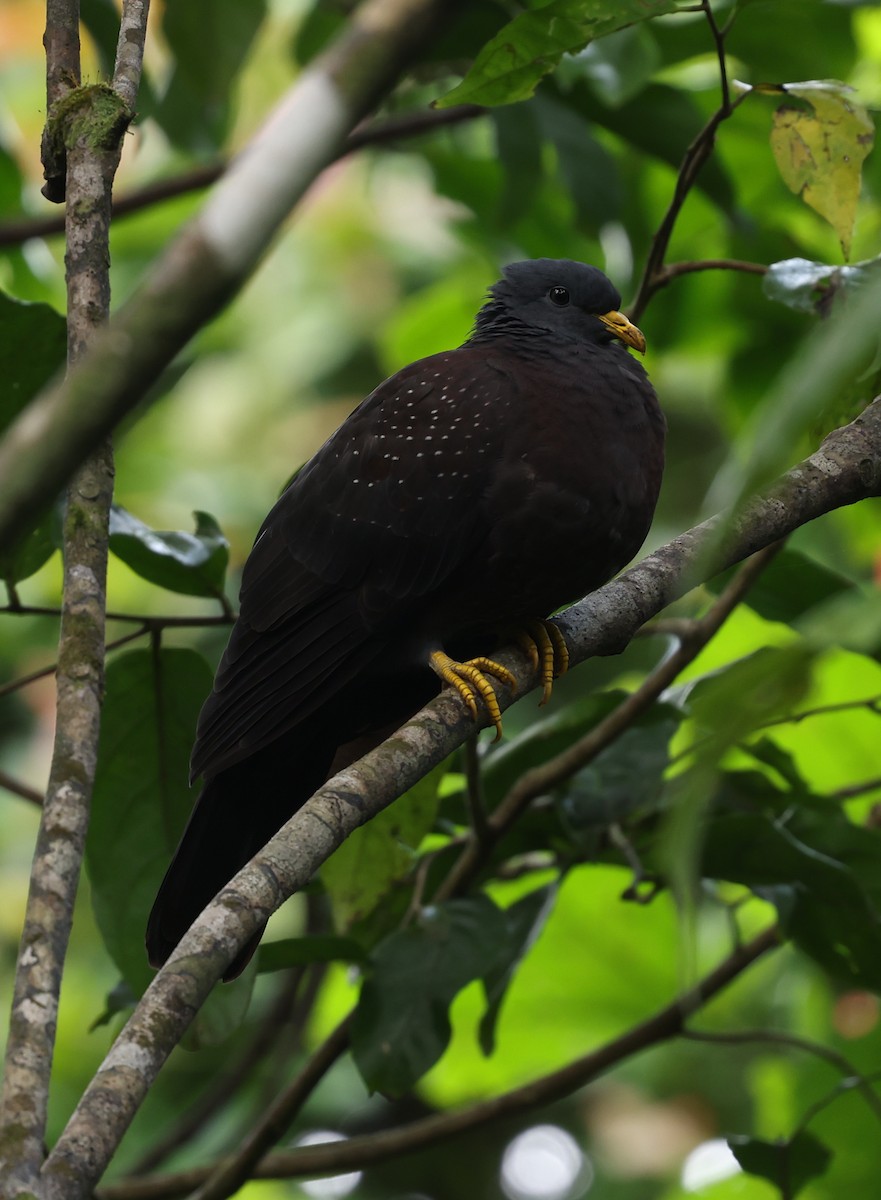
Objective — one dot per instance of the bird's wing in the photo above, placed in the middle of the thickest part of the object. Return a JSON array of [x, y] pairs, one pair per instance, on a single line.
[[372, 525]]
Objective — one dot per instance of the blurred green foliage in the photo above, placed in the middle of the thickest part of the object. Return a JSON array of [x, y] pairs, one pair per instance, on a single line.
[[387, 261]]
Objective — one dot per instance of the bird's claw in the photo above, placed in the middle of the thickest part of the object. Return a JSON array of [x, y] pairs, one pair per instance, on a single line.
[[469, 679], [548, 654]]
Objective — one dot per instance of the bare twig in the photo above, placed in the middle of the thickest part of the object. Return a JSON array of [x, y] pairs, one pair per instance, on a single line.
[[674, 270], [653, 276], [233, 1172], [776, 1037], [20, 789], [360, 1152], [378, 133]]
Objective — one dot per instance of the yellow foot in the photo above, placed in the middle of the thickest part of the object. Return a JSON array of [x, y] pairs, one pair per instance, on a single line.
[[547, 651], [470, 681]]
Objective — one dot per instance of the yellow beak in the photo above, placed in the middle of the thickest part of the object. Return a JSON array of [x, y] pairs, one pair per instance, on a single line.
[[618, 324]]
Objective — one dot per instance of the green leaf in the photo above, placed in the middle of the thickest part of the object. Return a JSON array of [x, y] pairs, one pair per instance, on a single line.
[[26, 556], [626, 777], [676, 119], [789, 586], [519, 146], [812, 286], [789, 1163], [510, 66], [119, 999], [401, 1025], [589, 170], [22, 376], [44, 332], [193, 564], [820, 147], [804, 853], [209, 41], [750, 691], [301, 951], [378, 855], [524, 921], [141, 798], [619, 66]]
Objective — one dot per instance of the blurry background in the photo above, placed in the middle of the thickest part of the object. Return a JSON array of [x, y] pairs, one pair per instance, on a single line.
[[387, 260]]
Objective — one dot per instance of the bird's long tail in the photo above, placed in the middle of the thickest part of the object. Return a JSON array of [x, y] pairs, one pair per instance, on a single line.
[[237, 812]]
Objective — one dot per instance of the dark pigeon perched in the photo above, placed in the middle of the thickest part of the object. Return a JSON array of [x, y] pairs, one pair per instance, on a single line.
[[464, 501]]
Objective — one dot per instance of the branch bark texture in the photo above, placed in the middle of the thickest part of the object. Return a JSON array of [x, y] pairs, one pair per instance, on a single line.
[[847, 468], [213, 256], [89, 123]]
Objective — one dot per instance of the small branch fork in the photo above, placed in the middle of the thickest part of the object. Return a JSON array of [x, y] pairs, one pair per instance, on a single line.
[[655, 275], [81, 149]]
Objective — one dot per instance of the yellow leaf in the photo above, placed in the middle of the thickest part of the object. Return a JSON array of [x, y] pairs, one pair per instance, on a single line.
[[820, 150]]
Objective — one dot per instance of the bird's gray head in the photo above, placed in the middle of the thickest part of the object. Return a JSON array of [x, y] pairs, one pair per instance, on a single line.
[[556, 297]]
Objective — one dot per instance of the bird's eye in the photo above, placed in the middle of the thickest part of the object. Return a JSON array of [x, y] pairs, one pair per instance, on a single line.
[[559, 295]]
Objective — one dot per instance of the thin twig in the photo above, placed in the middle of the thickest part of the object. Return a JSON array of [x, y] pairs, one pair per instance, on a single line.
[[229, 1176], [17, 788], [542, 779], [386, 131], [226, 1086], [696, 155], [775, 1037], [674, 270], [361, 1152], [145, 619], [857, 789], [44, 672]]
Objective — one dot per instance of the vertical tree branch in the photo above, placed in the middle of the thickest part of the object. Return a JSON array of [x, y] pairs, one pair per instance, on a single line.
[[89, 123]]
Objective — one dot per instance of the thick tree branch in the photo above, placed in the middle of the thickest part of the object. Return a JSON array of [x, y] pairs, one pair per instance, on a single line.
[[360, 1152], [847, 468], [213, 255]]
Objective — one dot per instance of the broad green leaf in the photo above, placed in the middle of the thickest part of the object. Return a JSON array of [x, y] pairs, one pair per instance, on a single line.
[[44, 332], [380, 854], [742, 696], [789, 586], [819, 149], [28, 555], [141, 798], [209, 41], [789, 1163], [676, 119], [510, 66], [626, 777], [193, 564], [619, 66], [803, 854], [589, 170], [835, 355], [812, 286], [524, 921], [519, 147], [402, 1026]]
